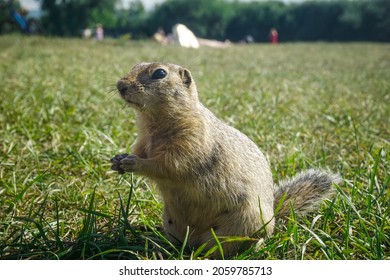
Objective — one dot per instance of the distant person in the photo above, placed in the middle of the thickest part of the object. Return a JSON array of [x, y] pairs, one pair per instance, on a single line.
[[160, 36], [99, 32], [273, 36]]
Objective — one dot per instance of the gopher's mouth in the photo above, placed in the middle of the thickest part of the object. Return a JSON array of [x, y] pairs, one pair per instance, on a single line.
[[133, 103], [126, 92]]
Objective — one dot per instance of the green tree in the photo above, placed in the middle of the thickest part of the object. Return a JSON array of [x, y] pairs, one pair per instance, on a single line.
[[376, 20], [255, 19], [332, 20], [316, 20], [7, 23], [102, 11], [69, 17], [132, 20], [205, 18]]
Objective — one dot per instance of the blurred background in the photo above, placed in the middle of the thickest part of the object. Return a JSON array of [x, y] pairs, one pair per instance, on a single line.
[[223, 20]]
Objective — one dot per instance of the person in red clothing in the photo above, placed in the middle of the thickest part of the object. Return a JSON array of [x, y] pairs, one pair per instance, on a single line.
[[273, 36]]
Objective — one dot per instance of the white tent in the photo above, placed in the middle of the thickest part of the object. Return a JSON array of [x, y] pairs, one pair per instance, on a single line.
[[184, 37]]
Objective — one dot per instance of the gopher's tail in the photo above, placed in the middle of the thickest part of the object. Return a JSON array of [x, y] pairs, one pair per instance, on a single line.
[[305, 192]]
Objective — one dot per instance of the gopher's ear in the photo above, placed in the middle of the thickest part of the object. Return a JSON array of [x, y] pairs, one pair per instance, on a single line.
[[186, 77]]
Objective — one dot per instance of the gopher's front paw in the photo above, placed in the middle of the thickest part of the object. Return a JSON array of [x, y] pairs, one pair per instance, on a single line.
[[129, 163], [116, 162]]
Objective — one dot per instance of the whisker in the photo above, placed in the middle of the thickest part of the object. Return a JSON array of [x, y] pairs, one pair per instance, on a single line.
[[112, 90], [112, 93], [110, 86]]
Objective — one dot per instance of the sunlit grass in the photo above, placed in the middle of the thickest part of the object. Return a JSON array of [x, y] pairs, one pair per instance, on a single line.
[[305, 105]]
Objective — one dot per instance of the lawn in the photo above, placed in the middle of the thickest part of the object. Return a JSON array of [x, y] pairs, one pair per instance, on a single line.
[[305, 105]]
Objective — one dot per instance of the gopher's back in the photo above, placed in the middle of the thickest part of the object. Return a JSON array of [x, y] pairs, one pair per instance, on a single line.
[[244, 164]]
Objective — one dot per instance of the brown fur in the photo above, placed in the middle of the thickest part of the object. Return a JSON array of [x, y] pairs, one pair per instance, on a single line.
[[209, 174]]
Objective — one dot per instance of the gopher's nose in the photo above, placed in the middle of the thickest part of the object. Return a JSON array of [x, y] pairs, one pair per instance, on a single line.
[[122, 87]]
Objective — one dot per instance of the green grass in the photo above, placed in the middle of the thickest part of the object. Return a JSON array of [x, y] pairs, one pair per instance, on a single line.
[[305, 105]]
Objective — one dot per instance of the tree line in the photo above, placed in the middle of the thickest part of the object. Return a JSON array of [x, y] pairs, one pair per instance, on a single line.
[[321, 20]]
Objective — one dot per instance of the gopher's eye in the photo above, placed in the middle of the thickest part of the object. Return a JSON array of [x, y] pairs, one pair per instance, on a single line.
[[159, 74]]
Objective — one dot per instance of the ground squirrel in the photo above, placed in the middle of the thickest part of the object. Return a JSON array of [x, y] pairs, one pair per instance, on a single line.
[[209, 174]]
